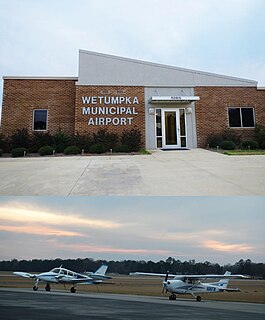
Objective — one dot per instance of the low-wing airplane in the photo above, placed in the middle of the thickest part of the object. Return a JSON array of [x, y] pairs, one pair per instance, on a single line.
[[65, 276], [192, 284]]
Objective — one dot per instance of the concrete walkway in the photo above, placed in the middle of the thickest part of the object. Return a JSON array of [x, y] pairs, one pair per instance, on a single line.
[[194, 172]]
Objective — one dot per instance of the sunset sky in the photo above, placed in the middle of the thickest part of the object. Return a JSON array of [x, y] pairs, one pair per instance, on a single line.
[[216, 229], [42, 38]]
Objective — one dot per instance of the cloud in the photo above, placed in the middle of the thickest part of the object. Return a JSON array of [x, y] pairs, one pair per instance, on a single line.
[[226, 247], [20, 214]]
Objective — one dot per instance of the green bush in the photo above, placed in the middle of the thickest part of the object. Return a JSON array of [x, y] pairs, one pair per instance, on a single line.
[[122, 148], [245, 145], [46, 151], [61, 141], [72, 150], [20, 138], [40, 139], [97, 148], [1, 152], [18, 152], [214, 140], [228, 145], [132, 138], [108, 139], [260, 135], [84, 142]]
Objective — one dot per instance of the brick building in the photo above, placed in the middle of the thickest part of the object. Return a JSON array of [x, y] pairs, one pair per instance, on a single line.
[[173, 107]]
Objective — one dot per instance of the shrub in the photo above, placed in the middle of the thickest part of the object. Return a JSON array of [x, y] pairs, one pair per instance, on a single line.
[[215, 140], [249, 145], [121, 148], [46, 151], [132, 138], [84, 142], [260, 135], [4, 143], [18, 152], [40, 139], [228, 145], [61, 141], [107, 139], [20, 138], [97, 148], [1, 152], [72, 150]]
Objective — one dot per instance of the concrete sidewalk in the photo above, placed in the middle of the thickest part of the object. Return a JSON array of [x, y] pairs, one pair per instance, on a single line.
[[195, 172]]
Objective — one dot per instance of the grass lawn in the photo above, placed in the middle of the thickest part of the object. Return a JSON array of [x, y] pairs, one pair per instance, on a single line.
[[244, 152]]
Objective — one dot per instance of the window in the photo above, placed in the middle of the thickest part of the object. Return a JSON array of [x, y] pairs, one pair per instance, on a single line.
[[40, 120], [241, 117]]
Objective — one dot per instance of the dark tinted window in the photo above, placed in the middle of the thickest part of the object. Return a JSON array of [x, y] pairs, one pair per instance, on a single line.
[[247, 117], [40, 120], [234, 117]]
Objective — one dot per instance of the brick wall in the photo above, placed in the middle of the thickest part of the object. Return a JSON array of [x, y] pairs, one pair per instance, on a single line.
[[129, 120], [22, 96], [212, 109]]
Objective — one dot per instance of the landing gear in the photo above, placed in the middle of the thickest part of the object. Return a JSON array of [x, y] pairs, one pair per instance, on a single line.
[[47, 287], [198, 298], [73, 289], [35, 288], [172, 297]]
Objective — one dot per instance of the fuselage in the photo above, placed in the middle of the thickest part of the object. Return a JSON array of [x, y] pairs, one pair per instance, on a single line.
[[61, 275], [181, 287]]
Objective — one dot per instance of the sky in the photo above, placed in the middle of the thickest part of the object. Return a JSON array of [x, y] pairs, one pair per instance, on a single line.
[[216, 229], [42, 37]]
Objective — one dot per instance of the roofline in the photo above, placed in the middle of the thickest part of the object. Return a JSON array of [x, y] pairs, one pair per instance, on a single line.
[[38, 78], [253, 82]]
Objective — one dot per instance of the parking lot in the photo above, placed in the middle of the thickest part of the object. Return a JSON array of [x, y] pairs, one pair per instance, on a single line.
[[195, 172]]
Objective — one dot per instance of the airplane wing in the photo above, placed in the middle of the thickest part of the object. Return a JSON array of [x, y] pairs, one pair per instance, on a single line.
[[25, 275], [190, 276], [162, 275]]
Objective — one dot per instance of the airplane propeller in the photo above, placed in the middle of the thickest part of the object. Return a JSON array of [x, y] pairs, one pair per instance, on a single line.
[[163, 290]]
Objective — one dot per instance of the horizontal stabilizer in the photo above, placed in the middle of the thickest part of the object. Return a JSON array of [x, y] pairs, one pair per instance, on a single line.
[[25, 275]]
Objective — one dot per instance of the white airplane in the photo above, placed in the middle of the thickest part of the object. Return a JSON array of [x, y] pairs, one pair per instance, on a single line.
[[65, 276], [192, 284]]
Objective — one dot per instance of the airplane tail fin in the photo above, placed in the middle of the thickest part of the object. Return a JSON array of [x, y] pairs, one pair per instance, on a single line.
[[101, 271], [223, 283]]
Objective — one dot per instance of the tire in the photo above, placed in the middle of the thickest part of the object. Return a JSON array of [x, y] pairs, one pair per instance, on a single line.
[[198, 298], [35, 288], [73, 289]]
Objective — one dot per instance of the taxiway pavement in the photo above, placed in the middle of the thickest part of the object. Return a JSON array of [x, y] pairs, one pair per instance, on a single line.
[[25, 304]]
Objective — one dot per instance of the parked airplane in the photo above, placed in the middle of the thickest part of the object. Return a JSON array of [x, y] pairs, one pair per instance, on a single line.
[[192, 284], [65, 276]]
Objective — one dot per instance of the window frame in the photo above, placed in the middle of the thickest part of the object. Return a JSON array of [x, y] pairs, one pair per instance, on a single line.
[[241, 121], [33, 127]]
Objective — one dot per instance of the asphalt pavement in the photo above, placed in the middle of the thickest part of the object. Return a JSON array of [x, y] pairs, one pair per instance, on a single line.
[[24, 304]]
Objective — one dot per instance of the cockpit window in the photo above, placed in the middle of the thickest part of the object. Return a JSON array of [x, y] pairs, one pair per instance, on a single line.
[[56, 270]]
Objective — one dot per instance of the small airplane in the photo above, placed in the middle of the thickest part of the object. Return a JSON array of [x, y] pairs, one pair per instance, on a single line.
[[192, 284], [65, 276]]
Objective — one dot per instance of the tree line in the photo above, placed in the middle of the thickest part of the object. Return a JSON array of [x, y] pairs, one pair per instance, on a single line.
[[247, 267]]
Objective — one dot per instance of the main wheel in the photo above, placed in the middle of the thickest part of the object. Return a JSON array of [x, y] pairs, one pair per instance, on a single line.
[[48, 288], [73, 289], [198, 298], [172, 297], [35, 288]]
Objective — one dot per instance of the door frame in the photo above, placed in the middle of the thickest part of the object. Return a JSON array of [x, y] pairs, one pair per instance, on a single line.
[[164, 145]]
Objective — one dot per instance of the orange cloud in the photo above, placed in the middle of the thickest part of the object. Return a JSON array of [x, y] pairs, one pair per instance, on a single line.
[[18, 214], [39, 230], [226, 247]]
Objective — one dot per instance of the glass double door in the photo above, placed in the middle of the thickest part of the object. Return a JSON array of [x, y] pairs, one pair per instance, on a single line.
[[173, 128]]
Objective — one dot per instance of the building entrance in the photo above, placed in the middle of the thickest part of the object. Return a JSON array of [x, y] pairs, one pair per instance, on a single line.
[[171, 128]]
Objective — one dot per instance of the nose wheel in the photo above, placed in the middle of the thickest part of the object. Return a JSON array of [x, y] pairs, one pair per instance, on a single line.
[[47, 287], [73, 290]]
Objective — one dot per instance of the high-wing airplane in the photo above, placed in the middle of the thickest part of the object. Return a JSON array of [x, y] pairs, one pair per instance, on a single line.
[[192, 284], [65, 276]]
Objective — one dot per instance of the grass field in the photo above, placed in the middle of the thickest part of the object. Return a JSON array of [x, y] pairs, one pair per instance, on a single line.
[[251, 290]]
